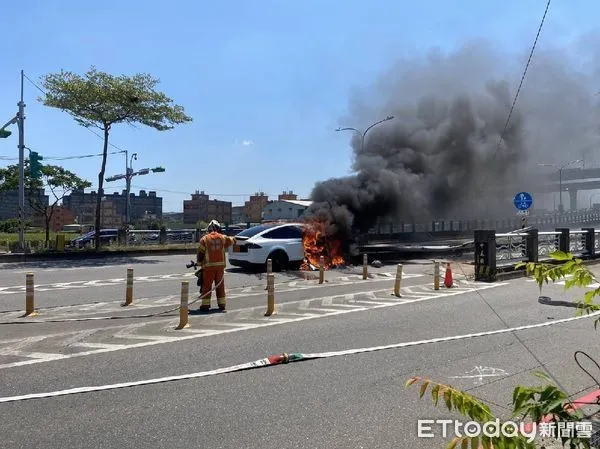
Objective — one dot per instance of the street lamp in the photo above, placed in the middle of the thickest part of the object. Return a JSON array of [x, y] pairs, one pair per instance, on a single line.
[[129, 171], [129, 174], [560, 170], [362, 135]]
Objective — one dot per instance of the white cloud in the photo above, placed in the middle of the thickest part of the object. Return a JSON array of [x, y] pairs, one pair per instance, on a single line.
[[247, 143]]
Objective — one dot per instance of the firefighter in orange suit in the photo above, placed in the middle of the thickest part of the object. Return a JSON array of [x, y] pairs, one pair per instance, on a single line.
[[211, 258]]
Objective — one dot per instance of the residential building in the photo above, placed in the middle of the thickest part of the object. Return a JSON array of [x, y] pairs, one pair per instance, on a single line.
[[9, 203], [287, 196], [109, 215], [253, 208], [80, 202], [201, 208], [109, 218], [61, 217], [237, 215], [285, 210]]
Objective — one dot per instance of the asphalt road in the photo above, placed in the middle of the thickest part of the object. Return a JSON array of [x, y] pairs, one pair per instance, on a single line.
[[344, 401], [64, 283]]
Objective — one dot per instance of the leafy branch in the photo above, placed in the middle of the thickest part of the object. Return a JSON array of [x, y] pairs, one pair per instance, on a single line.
[[575, 274]]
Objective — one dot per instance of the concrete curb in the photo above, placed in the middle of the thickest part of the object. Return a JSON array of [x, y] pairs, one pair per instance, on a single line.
[[92, 255]]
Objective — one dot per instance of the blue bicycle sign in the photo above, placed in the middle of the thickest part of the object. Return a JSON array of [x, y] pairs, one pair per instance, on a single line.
[[523, 201]]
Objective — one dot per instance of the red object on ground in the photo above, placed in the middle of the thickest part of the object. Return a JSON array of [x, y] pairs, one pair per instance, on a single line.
[[448, 279]]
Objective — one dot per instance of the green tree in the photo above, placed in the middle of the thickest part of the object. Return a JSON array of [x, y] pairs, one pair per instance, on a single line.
[[528, 402], [60, 181], [100, 100], [11, 225]]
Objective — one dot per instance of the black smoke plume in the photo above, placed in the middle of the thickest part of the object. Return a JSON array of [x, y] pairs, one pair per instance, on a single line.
[[447, 154]]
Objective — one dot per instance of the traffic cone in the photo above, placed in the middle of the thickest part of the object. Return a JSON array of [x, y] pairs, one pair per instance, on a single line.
[[448, 279]]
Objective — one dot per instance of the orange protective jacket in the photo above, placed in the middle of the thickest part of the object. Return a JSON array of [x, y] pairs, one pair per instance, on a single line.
[[211, 250]]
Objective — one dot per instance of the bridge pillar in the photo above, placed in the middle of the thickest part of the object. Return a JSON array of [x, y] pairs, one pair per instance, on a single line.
[[590, 242], [564, 243], [485, 256], [531, 245], [573, 199]]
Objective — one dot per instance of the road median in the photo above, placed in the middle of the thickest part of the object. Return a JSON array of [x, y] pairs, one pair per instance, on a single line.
[[104, 253]]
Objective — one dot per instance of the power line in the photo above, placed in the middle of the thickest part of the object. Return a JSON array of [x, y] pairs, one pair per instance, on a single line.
[[34, 84], [522, 79], [62, 158]]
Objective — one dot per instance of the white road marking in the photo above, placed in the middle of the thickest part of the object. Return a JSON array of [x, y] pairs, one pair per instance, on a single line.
[[481, 372], [36, 357], [305, 356], [109, 346], [10, 290], [79, 336], [340, 309], [20, 344]]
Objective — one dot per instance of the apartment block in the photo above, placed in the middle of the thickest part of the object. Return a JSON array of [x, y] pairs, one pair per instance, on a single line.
[[253, 208], [202, 208], [61, 216], [9, 203], [142, 205]]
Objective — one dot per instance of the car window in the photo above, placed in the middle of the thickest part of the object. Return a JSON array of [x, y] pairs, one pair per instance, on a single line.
[[251, 232], [285, 232]]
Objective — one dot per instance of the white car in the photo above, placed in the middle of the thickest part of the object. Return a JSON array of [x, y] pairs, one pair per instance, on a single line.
[[282, 243]]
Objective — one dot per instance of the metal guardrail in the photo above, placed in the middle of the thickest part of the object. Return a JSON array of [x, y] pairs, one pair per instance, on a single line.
[[541, 221], [139, 237], [145, 237], [493, 251]]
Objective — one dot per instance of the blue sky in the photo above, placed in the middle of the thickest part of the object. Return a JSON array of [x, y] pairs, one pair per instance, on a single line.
[[266, 82]]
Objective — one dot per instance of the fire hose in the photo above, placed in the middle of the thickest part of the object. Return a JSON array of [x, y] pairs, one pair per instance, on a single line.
[[198, 273]]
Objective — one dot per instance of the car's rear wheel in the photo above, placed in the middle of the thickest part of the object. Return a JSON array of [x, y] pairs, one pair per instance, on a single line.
[[279, 259]]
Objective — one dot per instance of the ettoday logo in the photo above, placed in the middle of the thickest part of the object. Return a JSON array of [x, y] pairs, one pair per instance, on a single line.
[[495, 429], [470, 429]]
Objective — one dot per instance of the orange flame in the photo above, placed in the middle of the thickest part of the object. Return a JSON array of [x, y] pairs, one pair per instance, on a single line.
[[316, 244]]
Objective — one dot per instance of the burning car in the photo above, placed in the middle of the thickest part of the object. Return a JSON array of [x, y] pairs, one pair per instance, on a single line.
[[282, 243], [288, 245]]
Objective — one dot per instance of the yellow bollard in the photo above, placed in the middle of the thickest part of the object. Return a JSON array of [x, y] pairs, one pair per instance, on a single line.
[[398, 280], [269, 271], [321, 270], [436, 275], [183, 307], [29, 295], [270, 294], [365, 267], [129, 288]]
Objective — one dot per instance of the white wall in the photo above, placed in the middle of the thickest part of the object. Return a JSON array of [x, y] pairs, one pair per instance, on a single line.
[[280, 210]]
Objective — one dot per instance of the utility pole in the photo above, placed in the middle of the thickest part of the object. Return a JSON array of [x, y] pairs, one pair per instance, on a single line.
[[19, 120], [128, 176], [560, 187], [129, 173], [21, 125]]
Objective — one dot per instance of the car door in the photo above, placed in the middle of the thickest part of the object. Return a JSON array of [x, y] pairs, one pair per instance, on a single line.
[[290, 238]]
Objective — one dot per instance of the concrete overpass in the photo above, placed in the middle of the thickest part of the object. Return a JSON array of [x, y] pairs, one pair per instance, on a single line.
[[571, 180]]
